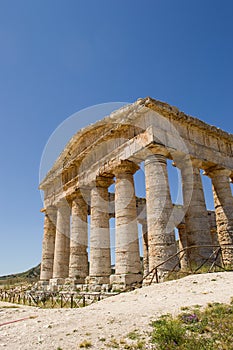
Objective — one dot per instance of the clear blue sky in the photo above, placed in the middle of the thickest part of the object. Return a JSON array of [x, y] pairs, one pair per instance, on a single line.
[[58, 57]]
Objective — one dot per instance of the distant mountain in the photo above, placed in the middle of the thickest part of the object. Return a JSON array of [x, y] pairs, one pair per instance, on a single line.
[[31, 275]]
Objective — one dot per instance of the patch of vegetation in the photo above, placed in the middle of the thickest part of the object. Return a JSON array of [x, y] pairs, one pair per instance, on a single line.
[[139, 345], [133, 341], [133, 335], [210, 329], [113, 344], [102, 339], [85, 344]]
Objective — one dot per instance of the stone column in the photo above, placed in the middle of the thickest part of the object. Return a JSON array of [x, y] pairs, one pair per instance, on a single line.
[[50, 218], [213, 227], [127, 265], [161, 235], [182, 245], [100, 256], [145, 249], [62, 244], [223, 202], [196, 215], [214, 236], [78, 264]]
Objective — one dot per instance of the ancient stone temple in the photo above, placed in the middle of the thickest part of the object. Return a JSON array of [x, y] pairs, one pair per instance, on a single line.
[[147, 134]]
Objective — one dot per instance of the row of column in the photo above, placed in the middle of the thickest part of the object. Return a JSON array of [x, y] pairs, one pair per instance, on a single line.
[[65, 253]]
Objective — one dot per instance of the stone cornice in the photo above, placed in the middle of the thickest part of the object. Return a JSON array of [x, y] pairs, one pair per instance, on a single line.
[[105, 127], [171, 111]]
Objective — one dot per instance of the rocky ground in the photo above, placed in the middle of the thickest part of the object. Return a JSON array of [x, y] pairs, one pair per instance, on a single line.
[[110, 323]]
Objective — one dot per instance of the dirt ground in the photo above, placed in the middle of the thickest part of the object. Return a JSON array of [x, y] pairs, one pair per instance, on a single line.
[[107, 323]]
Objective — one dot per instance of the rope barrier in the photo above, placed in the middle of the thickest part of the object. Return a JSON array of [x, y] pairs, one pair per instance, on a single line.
[[20, 319]]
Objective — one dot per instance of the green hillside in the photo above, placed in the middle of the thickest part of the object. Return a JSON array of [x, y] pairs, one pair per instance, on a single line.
[[31, 275]]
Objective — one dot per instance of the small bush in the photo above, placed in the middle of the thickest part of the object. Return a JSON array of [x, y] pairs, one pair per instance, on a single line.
[[167, 331], [133, 335], [85, 344], [210, 329]]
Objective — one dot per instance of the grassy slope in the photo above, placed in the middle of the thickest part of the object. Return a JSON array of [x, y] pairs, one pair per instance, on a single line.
[[30, 275]]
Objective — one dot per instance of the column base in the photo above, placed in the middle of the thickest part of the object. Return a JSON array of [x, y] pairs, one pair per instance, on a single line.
[[98, 283], [41, 285], [120, 282], [103, 288], [97, 280], [56, 281], [74, 281]]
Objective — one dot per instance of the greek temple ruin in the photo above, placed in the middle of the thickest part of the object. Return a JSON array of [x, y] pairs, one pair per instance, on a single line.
[[145, 134]]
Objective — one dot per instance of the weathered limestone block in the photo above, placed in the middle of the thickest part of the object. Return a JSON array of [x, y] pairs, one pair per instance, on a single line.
[[196, 217], [48, 243], [223, 202], [161, 237], [100, 257], [78, 264], [127, 266], [62, 244]]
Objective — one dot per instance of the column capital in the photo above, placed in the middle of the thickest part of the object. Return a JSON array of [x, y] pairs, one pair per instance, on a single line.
[[51, 213], [104, 181], [184, 161], [63, 203], [181, 225], [125, 167], [64, 207], [48, 209], [217, 171], [156, 158], [79, 194], [156, 149]]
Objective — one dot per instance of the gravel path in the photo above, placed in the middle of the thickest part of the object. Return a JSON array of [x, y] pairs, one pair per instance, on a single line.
[[110, 320]]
